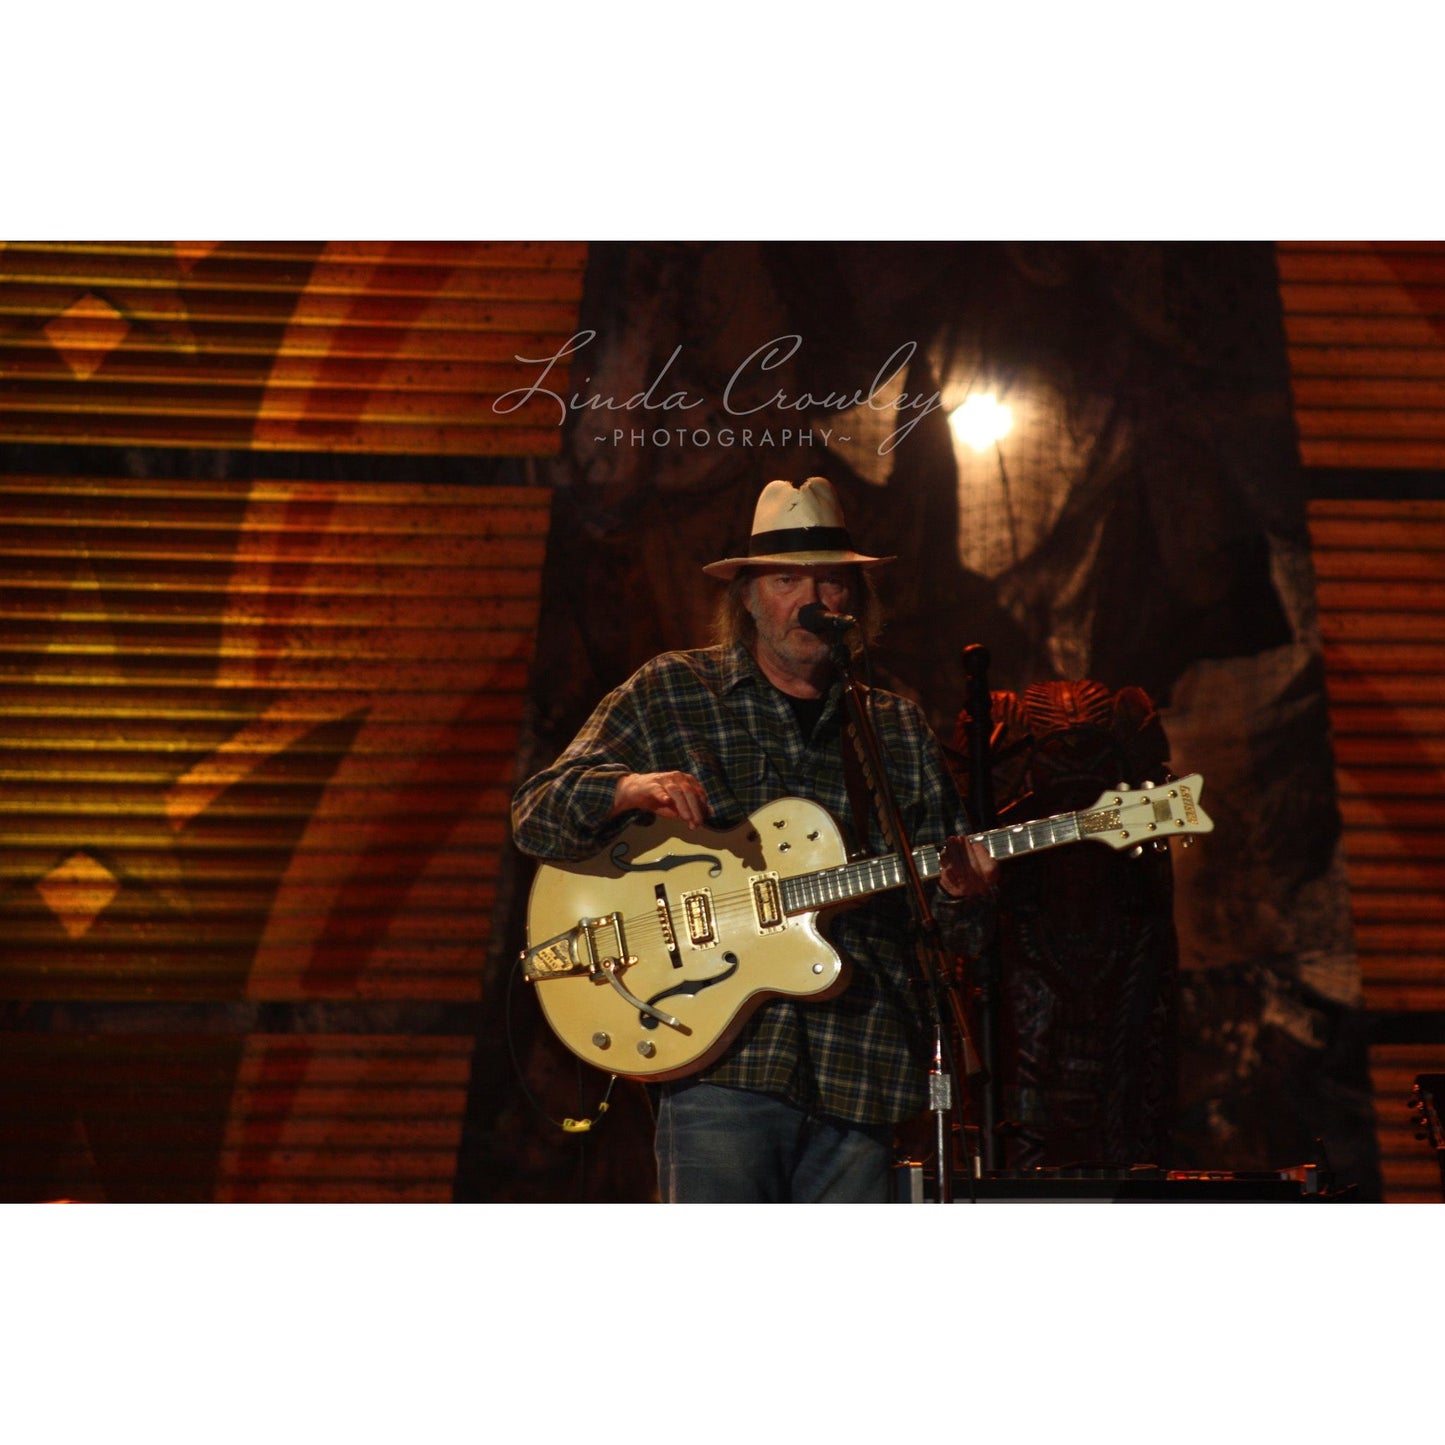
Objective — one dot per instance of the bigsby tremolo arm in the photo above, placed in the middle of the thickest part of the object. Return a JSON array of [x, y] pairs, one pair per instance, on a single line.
[[609, 967], [560, 957]]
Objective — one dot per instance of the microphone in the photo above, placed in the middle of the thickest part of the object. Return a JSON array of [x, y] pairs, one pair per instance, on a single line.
[[816, 618]]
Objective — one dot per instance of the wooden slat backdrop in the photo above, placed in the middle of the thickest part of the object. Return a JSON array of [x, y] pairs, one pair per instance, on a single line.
[[257, 744], [257, 738], [1380, 579], [358, 1118], [1409, 1163], [1365, 324], [1380, 587], [394, 347], [265, 1118], [1365, 327]]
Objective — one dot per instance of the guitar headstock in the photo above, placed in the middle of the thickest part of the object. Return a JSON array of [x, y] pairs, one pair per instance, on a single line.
[[1131, 818], [1424, 1102]]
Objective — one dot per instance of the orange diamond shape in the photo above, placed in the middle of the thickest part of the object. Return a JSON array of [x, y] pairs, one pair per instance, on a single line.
[[77, 891], [86, 333], [190, 253]]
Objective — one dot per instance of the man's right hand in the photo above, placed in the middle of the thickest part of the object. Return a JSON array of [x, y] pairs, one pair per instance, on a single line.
[[669, 795]]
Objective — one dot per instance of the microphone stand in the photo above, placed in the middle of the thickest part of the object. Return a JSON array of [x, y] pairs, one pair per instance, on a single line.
[[930, 951], [987, 971]]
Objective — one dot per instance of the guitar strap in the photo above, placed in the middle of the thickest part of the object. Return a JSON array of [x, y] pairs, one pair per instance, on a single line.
[[856, 781], [857, 788]]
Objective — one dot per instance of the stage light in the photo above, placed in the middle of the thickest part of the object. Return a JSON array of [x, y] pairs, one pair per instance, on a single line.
[[981, 421]]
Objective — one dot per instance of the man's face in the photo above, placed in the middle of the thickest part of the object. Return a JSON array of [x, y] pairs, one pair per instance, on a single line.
[[774, 596]]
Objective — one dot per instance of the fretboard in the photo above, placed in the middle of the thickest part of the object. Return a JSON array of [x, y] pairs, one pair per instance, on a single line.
[[831, 886], [1030, 837]]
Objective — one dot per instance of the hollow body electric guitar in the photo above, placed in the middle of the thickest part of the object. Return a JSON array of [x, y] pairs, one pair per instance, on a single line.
[[650, 956]]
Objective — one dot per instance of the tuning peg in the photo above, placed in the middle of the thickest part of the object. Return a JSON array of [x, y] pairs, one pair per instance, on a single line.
[[1161, 845], [1125, 788], [1137, 851], [1186, 842], [1148, 784]]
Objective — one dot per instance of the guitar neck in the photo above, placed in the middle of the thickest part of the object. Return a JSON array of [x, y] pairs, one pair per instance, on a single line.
[[828, 887]]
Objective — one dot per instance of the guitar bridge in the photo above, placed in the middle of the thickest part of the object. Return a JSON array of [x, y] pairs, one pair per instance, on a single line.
[[594, 947]]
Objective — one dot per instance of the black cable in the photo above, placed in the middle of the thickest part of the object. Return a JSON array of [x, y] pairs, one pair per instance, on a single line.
[[567, 1126]]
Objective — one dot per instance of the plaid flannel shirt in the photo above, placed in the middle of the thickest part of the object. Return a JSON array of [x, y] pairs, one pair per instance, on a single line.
[[863, 1056]]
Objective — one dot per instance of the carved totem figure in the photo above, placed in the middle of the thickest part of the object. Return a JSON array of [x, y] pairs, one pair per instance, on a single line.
[[1087, 958]]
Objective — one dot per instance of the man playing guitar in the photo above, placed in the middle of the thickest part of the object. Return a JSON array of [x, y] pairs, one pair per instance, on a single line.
[[800, 1101]]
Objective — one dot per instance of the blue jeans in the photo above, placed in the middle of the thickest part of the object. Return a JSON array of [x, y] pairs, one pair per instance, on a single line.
[[732, 1146]]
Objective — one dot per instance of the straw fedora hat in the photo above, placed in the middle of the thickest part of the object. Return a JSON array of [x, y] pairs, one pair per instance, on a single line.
[[796, 524]]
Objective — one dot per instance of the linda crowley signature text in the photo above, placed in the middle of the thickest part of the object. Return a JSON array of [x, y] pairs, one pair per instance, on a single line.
[[742, 383]]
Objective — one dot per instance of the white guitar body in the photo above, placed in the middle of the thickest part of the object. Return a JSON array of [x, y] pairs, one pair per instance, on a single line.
[[650, 956], [723, 960]]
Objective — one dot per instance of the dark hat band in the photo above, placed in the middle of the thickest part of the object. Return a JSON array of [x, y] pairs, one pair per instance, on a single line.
[[800, 539]]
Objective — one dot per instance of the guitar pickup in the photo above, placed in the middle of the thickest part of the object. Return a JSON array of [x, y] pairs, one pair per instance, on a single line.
[[768, 903], [697, 912], [594, 945]]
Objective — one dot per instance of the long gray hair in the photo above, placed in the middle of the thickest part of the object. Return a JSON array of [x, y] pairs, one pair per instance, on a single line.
[[732, 622]]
